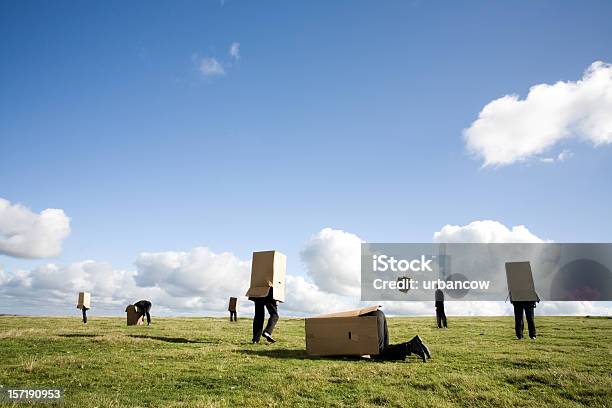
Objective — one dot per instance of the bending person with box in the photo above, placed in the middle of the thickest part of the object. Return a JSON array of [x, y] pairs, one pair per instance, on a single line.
[[143, 307], [266, 290]]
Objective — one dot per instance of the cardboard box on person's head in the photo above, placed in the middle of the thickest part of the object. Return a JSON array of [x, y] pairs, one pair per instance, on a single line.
[[133, 317], [84, 300], [233, 304], [350, 333], [520, 282], [268, 271]]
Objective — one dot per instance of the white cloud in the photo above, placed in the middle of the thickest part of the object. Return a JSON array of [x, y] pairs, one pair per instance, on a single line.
[[486, 231], [510, 129], [200, 281], [332, 258], [234, 50], [199, 272], [210, 67], [25, 234]]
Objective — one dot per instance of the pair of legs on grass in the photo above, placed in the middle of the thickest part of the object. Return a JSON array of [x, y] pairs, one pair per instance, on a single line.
[[396, 351], [270, 304], [526, 308]]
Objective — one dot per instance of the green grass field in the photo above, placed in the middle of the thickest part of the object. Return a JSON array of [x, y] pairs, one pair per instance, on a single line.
[[209, 362]]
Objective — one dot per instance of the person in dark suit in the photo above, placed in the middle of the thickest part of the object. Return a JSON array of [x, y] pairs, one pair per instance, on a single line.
[[400, 351], [84, 310], [527, 308], [271, 305], [144, 307], [440, 314]]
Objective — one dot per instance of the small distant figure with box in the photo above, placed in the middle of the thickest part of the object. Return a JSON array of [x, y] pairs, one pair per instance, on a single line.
[[143, 307], [440, 313], [84, 303], [137, 312], [267, 288], [522, 296], [233, 309]]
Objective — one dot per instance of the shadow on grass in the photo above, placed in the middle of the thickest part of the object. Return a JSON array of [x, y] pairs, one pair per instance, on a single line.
[[166, 339], [293, 354], [77, 335]]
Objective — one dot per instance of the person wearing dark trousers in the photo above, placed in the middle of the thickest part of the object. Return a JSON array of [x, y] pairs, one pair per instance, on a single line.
[[440, 314], [390, 352], [270, 304], [526, 308], [233, 316], [144, 307], [84, 310]]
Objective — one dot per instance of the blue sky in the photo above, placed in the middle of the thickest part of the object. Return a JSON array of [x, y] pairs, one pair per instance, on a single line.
[[337, 114]]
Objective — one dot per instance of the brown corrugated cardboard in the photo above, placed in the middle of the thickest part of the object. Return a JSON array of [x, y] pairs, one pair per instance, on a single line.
[[84, 300], [268, 271], [343, 333], [133, 317], [520, 282], [233, 304]]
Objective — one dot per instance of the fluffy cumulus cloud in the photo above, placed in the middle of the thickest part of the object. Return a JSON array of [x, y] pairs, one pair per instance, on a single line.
[[52, 286], [199, 273], [26, 234], [510, 129], [332, 259], [486, 231], [197, 281]]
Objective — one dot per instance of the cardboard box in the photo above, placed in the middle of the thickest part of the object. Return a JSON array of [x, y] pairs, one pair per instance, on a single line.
[[84, 300], [268, 271], [233, 304], [343, 334], [133, 317], [520, 282]]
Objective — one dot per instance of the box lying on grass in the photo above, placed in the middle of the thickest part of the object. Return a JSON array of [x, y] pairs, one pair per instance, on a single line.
[[84, 300], [344, 333], [268, 271], [133, 317]]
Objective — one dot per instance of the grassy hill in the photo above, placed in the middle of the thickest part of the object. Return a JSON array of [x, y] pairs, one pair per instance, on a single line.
[[210, 362]]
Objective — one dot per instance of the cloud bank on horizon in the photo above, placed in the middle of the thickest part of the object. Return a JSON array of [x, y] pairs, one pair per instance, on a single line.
[[200, 281], [510, 129]]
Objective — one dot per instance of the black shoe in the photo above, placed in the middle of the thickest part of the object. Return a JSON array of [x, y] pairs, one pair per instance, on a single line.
[[423, 345], [268, 337], [254, 341], [414, 347]]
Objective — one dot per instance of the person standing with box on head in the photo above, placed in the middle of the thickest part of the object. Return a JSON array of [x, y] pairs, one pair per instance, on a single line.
[[522, 296], [232, 307], [267, 288], [84, 304], [440, 314]]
